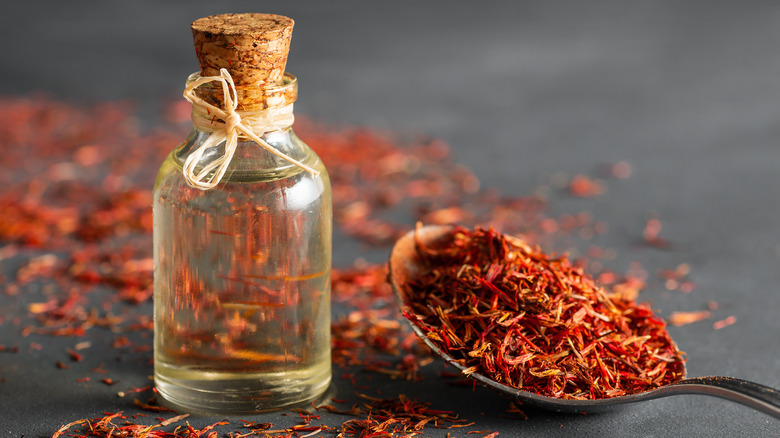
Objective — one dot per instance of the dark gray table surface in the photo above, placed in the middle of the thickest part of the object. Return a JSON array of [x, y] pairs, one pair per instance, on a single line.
[[686, 92]]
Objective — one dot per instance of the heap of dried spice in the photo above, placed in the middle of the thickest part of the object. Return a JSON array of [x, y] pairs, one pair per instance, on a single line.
[[535, 322]]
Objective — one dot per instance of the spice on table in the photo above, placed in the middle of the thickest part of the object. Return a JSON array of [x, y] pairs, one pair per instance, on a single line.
[[585, 187], [98, 225], [533, 321], [76, 357], [729, 320], [390, 417], [684, 318], [619, 170], [117, 425], [377, 417], [60, 199], [651, 234]]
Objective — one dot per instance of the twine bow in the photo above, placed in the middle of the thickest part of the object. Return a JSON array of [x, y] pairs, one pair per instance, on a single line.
[[207, 118]]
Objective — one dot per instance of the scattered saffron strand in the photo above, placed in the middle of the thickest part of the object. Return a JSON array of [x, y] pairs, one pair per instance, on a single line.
[[729, 320], [105, 427], [376, 417], [65, 428]]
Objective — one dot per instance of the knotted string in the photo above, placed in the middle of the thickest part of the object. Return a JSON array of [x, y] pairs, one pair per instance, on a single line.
[[225, 126]]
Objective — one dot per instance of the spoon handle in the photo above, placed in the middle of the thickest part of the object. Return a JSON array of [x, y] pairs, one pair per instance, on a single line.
[[754, 395]]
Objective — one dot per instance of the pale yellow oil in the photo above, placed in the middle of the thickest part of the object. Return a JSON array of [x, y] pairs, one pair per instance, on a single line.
[[242, 287]]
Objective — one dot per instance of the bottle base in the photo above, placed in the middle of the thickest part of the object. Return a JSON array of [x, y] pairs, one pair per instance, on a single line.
[[219, 393]]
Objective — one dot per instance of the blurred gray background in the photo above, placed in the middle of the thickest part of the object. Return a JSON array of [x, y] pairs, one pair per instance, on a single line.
[[686, 92]]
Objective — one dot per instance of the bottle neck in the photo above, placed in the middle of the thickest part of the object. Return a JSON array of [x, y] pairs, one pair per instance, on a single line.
[[229, 114], [259, 107], [250, 98], [250, 161], [260, 121]]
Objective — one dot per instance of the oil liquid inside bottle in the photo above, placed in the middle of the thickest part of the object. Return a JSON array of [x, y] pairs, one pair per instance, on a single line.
[[242, 289]]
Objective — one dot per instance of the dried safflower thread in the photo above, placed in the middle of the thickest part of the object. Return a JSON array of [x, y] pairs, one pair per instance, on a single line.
[[685, 318], [535, 322], [729, 320]]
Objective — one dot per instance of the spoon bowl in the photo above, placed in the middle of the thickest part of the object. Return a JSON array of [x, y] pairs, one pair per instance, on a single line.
[[404, 265]]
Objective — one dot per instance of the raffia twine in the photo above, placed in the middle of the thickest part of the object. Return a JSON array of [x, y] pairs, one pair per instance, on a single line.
[[225, 125]]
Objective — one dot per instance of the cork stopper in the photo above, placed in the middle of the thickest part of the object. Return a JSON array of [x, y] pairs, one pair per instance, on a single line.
[[252, 47]]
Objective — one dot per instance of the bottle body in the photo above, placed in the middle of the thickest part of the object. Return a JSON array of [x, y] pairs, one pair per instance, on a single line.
[[242, 281]]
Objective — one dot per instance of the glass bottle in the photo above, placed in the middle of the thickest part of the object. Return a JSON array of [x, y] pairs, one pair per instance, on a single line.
[[242, 270]]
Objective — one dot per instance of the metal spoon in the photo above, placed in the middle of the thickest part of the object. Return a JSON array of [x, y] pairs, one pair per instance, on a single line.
[[404, 266]]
